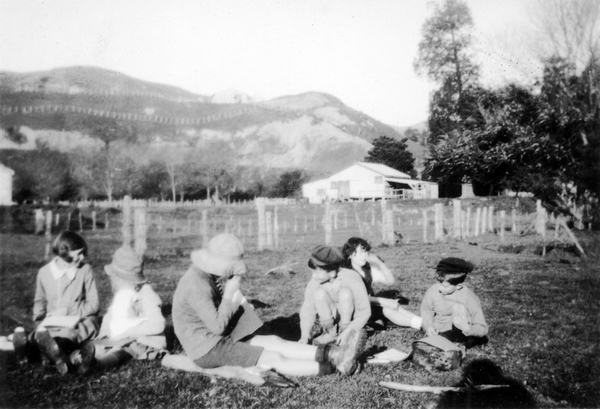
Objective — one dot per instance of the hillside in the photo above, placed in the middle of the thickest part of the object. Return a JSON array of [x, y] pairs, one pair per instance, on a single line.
[[68, 107]]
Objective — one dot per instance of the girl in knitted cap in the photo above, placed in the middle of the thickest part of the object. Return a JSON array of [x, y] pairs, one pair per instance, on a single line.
[[450, 309], [209, 317], [372, 270]]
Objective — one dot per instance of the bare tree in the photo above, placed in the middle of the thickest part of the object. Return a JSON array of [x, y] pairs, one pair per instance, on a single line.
[[568, 29]]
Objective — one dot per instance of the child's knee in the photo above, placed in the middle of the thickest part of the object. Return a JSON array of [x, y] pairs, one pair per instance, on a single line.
[[459, 309], [345, 296], [320, 296]]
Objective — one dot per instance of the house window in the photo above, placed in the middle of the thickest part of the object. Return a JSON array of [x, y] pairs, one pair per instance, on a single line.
[[334, 185], [321, 192], [378, 179]]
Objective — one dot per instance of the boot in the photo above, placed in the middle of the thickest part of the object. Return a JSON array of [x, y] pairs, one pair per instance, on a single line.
[[345, 357], [327, 337], [87, 358], [20, 345], [51, 349]]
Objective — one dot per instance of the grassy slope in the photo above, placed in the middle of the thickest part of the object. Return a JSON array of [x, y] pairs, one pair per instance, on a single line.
[[543, 315]]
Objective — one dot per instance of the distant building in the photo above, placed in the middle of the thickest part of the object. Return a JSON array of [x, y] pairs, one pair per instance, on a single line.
[[6, 182], [368, 181], [230, 96]]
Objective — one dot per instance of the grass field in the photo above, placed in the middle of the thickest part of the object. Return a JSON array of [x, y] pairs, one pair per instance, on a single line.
[[543, 313]]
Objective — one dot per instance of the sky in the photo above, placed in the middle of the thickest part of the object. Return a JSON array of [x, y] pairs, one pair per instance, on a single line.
[[360, 51]]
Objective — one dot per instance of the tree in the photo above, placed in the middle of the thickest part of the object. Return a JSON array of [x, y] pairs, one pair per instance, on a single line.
[[393, 153], [569, 30], [289, 183], [446, 58], [444, 52]]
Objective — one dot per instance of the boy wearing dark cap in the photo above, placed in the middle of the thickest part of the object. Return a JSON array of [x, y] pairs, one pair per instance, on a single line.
[[336, 295], [450, 309]]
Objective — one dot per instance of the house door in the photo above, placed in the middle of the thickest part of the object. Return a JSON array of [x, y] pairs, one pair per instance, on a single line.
[[344, 189]]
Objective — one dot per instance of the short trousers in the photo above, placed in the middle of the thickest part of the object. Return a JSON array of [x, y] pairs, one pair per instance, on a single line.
[[230, 353]]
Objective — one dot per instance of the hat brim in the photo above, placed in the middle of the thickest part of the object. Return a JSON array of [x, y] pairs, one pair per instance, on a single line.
[[139, 279], [218, 266]]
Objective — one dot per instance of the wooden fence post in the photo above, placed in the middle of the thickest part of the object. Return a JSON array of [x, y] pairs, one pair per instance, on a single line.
[[48, 233], [262, 234], [491, 219], [463, 224], [328, 229], [439, 221], [456, 218], [477, 220], [468, 222], [276, 229], [39, 221], [139, 228], [126, 228], [80, 221], [484, 220], [389, 229], [57, 219], [106, 221], [269, 225], [204, 228], [502, 224], [425, 222], [93, 220], [514, 221]]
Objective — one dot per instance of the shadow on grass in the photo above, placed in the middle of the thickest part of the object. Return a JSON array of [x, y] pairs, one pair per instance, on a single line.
[[486, 372], [287, 328]]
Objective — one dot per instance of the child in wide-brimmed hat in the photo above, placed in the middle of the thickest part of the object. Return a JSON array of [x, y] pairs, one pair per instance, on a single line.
[[450, 309], [337, 296], [133, 323], [206, 307]]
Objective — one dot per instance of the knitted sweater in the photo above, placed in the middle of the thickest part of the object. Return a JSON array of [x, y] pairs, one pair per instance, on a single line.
[[436, 310], [200, 315], [78, 296], [346, 278]]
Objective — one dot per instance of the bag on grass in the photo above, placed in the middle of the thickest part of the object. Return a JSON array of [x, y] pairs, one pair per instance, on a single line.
[[437, 353]]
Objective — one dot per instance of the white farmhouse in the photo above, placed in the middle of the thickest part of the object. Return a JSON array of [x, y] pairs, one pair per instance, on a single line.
[[369, 181], [6, 181]]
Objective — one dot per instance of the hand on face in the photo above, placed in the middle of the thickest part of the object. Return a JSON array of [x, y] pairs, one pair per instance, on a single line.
[[231, 286]]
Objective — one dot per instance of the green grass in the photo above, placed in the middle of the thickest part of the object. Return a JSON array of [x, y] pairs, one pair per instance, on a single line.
[[542, 311]]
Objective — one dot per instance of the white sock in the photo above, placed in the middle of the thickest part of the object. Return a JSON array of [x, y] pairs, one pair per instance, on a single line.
[[416, 322]]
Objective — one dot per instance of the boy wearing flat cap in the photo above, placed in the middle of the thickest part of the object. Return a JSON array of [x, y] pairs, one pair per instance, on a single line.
[[205, 306], [450, 309], [336, 295]]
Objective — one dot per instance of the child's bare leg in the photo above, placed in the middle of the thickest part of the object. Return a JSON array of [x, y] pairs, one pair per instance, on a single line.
[[345, 308], [288, 366], [326, 309], [402, 317], [288, 349]]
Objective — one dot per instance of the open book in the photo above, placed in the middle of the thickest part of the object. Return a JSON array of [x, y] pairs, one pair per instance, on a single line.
[[64, 321]]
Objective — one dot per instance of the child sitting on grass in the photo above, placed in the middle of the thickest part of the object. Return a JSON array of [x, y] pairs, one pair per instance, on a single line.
[[372, 270], [66, 292], [134, 320], [206, 308], [337, 296], [450, 309]]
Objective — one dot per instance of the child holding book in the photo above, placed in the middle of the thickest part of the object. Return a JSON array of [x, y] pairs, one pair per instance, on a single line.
[[66, 304], [451, 309]]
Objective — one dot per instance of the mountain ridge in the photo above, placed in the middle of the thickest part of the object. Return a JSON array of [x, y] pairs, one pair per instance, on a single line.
[[312, 130]]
